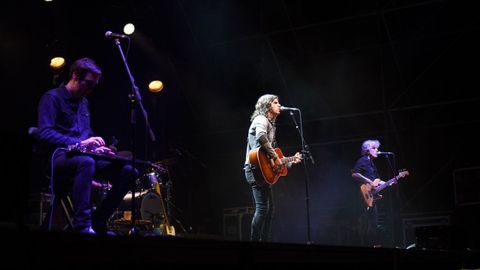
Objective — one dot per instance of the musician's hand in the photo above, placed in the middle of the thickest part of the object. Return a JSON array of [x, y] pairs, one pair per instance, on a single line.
[[376, 182], [92, 142], [104, 150], [96, 184], [297, 158], [278, 162]]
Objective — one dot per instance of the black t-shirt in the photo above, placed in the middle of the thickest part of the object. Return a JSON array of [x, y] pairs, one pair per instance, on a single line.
[[366, 167]]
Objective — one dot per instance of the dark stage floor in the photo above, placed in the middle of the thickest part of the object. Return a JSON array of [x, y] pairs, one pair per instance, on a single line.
[[27, 248]]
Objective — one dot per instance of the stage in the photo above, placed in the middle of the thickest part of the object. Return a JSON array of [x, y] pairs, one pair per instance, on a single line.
[[26, 248]]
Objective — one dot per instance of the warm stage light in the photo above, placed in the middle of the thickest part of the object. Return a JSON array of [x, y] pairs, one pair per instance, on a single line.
[[129, 28], [155, 86], [57, 63]]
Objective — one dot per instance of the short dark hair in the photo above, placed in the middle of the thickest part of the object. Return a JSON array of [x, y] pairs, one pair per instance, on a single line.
[[83, 66]]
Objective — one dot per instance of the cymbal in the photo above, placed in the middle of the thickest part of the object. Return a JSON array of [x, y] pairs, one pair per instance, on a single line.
[[167, 162]]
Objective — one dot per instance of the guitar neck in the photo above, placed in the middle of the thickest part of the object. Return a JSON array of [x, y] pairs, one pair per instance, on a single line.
[[386, 184], [288, 159], [159, 192]]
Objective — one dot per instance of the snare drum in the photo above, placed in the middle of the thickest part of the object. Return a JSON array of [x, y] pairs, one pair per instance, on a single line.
[[149, 180]]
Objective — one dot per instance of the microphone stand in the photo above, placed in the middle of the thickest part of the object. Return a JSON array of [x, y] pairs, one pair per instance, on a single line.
[[306, 153], [393, 167], [135, 99]]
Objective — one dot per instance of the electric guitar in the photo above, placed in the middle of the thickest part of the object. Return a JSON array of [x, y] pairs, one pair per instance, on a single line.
[[268, 173], [165, 228], [370, 194]]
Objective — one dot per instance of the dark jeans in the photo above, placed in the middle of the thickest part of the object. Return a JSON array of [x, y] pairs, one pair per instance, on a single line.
[[368, 227], [78, 171], [264, 208]]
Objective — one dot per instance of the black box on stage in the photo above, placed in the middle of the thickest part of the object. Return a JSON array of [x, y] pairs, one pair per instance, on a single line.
[[444, 237], [237, 222], [37, 208], [466, 183], [411, 224]]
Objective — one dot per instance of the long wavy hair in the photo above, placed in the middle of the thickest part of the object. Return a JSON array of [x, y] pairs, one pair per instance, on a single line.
[[263, 105]]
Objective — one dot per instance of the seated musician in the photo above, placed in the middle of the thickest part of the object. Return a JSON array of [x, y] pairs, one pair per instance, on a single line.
[[64, 120]]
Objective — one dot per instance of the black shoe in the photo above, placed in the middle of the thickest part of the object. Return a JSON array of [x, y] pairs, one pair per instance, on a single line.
[[100, 227], [86, 230], [103, 231]]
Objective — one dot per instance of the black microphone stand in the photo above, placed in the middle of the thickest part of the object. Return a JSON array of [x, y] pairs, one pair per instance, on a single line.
[[393, 166], [135, 99], [308, 156]]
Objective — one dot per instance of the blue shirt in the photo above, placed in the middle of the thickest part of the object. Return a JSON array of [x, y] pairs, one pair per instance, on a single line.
[[63, 120], [366, 167]]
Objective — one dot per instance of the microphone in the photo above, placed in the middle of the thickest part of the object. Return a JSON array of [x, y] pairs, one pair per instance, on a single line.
[[110, 34], [282, 108], [385, 153]]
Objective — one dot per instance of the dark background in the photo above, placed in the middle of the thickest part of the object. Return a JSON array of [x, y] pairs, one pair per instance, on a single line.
[[403, 72]]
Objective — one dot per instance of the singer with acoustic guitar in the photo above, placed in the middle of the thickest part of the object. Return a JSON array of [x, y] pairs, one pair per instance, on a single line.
[[264, 164], [366, 174]]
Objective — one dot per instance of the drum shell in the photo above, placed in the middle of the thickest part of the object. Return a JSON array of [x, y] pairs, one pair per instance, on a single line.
[[151, 208]]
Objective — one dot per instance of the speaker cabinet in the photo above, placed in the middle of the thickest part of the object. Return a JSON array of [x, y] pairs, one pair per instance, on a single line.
[[466, 184], [237, 222]]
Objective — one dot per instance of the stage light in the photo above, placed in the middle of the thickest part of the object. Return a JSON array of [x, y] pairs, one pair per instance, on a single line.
[[155, 86], [57, 63], [129, 28]]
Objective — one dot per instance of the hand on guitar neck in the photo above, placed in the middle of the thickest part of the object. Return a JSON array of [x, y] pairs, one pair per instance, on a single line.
[[297, 158], [375, 183], [279, 162]]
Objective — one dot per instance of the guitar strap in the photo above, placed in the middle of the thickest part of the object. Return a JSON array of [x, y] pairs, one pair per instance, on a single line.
[[375, 172]]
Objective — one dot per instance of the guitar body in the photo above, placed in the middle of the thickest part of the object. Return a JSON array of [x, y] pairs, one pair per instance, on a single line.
[[370, 194], [367, 197], [267, 173]]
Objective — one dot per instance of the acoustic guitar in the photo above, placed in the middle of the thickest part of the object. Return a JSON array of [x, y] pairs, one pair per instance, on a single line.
[[268, 173], [371, 194]]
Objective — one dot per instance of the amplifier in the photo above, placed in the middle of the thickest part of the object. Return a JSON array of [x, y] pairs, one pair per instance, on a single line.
[[237, 222]]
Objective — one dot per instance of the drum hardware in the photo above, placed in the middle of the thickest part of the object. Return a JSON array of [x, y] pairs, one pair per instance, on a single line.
[[149, 204], [138, 194]]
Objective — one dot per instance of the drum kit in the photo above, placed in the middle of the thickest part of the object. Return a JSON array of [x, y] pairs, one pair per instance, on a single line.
[[152, 200]]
